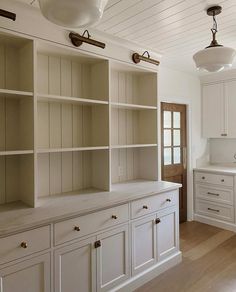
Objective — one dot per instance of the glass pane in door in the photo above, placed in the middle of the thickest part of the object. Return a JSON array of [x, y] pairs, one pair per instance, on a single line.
[[176, 135], [167, 119], [167, 156], [176, 119], [177, 156], [167, 137]]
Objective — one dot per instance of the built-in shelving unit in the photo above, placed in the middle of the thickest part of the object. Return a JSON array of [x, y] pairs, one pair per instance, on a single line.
[[72, 123]]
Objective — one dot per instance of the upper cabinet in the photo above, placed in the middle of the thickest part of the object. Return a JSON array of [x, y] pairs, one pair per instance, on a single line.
[[219, 110]]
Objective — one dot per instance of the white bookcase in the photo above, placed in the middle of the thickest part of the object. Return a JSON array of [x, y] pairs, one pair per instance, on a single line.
[[72, 123]]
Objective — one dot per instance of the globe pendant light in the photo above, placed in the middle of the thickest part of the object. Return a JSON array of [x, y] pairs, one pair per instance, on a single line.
[[215, 57], [73, 13]]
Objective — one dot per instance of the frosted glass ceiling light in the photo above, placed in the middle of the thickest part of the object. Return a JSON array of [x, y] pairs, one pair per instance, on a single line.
[[215, 57], [73, 13]]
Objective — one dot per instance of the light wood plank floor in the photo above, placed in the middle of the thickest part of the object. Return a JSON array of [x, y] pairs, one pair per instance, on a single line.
[[209, 262]]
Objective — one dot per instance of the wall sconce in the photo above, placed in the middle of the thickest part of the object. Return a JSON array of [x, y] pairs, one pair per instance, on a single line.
[[77, 40], [137, 58], [8, 14]]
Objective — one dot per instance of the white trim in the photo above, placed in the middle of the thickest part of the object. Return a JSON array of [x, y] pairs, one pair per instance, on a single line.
[[188, 103], [215, 222]]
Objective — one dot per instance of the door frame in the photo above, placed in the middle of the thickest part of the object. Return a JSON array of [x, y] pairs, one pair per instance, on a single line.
[[188, 103]]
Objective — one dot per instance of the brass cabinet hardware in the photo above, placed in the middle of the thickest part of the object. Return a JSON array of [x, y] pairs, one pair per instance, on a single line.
[[77, 40], [222, 180], [224, 135], [145, 207], [213, 194], [168, 200], [77, 228], [215, 210], [8, 14], [137, 58], [158, 220], [114, 217], [203, 177], [97, 243], [24, 244]]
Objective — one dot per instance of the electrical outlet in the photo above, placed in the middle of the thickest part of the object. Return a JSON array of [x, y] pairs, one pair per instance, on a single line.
[[120, 170]]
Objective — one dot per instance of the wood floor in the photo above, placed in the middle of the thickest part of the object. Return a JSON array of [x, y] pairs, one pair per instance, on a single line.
[[209, 262]]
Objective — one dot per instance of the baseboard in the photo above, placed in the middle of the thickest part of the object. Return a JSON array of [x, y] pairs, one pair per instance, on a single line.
[[215, 222], [149, 274]]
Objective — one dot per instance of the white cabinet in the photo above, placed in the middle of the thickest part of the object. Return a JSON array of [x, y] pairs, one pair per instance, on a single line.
[[112, 258], [75, 267], [32, 275], [213, 111], [219, 109]]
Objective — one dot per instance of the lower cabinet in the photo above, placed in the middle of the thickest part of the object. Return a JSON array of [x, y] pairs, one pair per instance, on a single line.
[[32, 275], [154, 238], [75, 267]]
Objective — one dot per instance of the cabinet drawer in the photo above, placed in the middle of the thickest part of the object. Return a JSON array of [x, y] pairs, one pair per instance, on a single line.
[[77, 227], [222, 212], [219, 179], [25, 243], [154, 203], [214, 194]]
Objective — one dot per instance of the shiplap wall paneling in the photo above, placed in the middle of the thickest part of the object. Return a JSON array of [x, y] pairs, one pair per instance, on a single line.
[[133, 126], [66, 125], [72, 77], [17, 179], [66, 172], [16, 63], [133, 87], [134, 164], [16, 123]]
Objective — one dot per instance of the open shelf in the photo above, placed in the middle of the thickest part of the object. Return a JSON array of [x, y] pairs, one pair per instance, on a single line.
[[134, 164], [67, 73], [55, 150], [62, 125], [67, 99], [67, 172], [132, 106], [16, 123], [17, 179], [21, 152], [16, 63], [133, 127], [133, 146], [15, 93]]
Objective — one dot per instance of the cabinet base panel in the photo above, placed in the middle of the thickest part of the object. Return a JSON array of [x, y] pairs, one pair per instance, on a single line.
[[149, 274], [215, 222]]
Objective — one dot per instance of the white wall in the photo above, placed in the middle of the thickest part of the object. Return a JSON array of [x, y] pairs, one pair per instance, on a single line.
[[180, 87]]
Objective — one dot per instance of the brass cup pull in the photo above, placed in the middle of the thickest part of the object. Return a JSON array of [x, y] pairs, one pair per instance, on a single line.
[[145, 207], [24, 244], [214, 210], [77, 228], [168, 200], [114, 217], [158, 220]]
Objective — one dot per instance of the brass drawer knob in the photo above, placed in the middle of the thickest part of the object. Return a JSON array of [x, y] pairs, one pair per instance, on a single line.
[[203, 177], [77, 228], [222, 180], [24, 244], [158, 220], [168, 200], [97, 243], [145, 207], [114, 217]]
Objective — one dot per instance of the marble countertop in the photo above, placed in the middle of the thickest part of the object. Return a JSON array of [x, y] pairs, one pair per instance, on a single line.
[[229, 168], [17, 216]]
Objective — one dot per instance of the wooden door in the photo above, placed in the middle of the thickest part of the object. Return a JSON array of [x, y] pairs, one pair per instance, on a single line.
[[174, 150], [213, 111], [75, 267], [31, 275], [230, 99], [167, 233], [112, 258], [143, 244]]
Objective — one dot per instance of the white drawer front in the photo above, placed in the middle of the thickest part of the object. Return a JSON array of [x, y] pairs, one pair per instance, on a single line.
[[219, 179], [214, 194], [25, 243], [154, 203], [222, 212], [80, 226]]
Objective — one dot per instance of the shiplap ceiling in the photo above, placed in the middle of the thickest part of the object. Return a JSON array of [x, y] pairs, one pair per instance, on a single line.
[[174, 28]]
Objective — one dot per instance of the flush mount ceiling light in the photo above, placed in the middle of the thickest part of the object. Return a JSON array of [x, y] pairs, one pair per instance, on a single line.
[[73, 13], [215, 57]]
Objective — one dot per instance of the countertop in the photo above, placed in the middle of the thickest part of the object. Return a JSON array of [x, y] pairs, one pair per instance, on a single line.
[[17, 216], [229, 168]]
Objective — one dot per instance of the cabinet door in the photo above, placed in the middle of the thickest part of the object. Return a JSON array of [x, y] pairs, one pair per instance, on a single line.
[[75, 267], [31, 275], [112, 258], [143, 244], [230, 96], [167, 233], [213, 111]]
